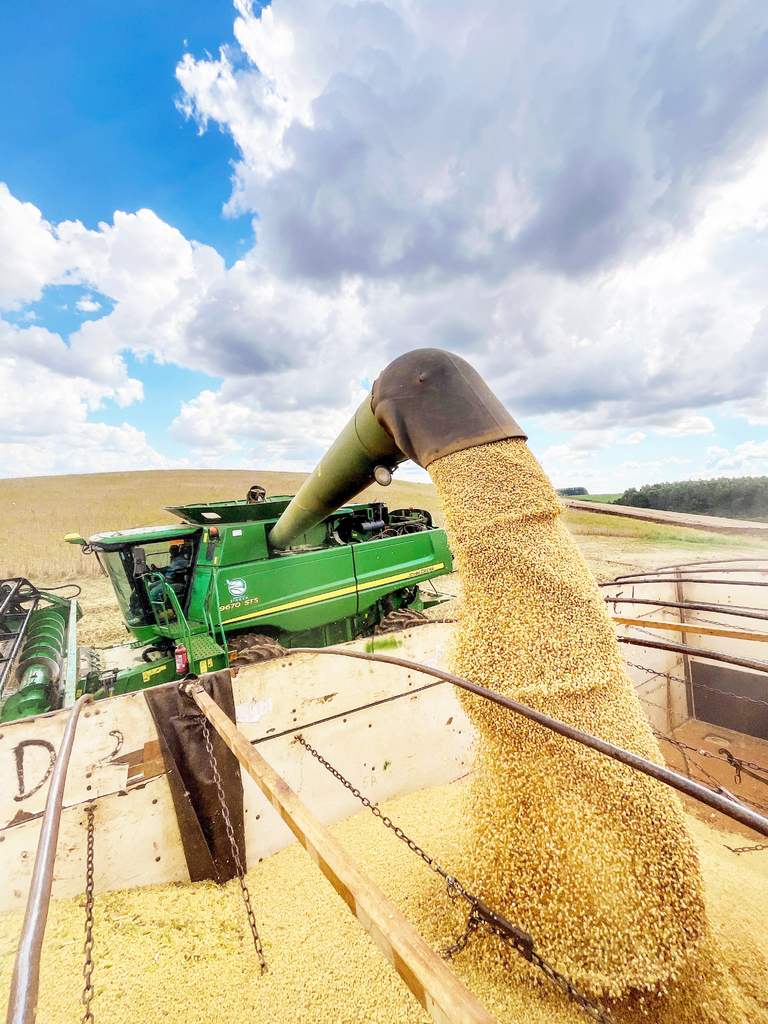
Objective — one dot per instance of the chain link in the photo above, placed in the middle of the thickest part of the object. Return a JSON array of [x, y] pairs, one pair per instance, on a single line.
[[88, 993], [233, 843], [698, 686], [747, 849], [481, 916], [738, 764]]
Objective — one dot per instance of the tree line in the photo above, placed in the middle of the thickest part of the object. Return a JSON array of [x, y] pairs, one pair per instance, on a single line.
[[744, 497]]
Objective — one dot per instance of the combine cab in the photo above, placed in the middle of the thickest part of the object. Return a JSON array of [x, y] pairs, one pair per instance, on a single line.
[[213, 591]]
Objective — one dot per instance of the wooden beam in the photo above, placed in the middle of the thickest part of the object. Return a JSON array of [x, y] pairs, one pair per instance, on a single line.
[[428, 977], [691, 627]]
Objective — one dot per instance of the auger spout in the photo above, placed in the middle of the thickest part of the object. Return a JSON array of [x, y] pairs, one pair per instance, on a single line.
[[424, 405]]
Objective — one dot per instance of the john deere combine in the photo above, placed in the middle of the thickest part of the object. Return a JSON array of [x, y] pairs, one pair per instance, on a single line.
[[213, 589], [236, 580]]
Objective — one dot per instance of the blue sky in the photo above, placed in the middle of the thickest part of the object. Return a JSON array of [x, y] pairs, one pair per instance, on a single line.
[[88, 122], [218, 220]]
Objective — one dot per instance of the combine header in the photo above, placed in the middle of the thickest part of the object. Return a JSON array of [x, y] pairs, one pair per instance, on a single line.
[[37, 644]]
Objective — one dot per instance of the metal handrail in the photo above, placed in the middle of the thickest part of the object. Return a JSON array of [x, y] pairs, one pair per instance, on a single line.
[[682, 579], [729, 805], [693, 652], [22, 1003], [160, 609], [697, 567]]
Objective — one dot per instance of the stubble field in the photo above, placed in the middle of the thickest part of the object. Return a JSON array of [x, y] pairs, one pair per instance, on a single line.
[[38, 511]]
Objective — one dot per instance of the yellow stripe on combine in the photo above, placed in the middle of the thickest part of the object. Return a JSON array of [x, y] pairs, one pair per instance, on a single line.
[[371, 585], [401, 576]]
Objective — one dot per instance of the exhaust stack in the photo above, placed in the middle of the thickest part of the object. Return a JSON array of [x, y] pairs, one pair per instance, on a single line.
[[424, 405]]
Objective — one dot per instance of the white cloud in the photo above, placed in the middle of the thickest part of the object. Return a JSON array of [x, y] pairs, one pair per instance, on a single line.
[[30, 256], [752, 450], [652, 466], [565, 453], [602, 271], [688, 425], [562, 453], [747, 459], [44, 424], [446, 176]]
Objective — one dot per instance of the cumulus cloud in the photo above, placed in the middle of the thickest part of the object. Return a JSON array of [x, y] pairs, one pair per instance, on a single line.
[[688, 425], [51, 385], [376, 140], [747, 459], [574, 199], [30, 256], [580, 214], [45, 426]]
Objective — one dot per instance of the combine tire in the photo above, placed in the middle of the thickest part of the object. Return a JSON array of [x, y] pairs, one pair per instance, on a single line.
[[401, 618], [252, 648]]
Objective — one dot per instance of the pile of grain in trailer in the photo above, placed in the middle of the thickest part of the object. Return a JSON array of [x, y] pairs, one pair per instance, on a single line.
[[183, 953], [592, 858]]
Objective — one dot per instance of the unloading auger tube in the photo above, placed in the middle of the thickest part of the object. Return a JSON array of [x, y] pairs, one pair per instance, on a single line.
[[424, 405]]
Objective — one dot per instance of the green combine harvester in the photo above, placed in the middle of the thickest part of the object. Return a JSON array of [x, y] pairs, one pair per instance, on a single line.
[[239, 581], [212, 590]]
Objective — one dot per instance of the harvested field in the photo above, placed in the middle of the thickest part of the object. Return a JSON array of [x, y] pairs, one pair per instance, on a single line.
[[39, 511]]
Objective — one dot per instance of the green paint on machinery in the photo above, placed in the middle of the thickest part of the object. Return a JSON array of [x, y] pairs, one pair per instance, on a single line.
[[306, 571], [215, 577]]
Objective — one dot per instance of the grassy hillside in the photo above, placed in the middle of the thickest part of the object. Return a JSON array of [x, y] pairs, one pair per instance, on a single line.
[[605, 499]]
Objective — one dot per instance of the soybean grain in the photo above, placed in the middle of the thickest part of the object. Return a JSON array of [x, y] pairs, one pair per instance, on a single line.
[[593, 859]]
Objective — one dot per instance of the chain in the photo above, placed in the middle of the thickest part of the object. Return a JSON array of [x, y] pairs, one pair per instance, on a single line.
[[233, 844], [737, 763], [708, 777], [700, 620], [87, 995], [747, 849], [481, 916], [698, 686]]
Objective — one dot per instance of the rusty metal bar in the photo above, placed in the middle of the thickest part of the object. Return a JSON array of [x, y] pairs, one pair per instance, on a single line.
[[697, 567], [22, 1002], [729, 807], [694, 652], [694, 606], [671, 579]]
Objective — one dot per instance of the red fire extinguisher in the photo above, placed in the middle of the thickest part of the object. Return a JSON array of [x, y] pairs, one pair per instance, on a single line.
[[182, 663]]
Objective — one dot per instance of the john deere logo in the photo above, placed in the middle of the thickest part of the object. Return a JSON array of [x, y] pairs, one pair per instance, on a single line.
[[236, 587]]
